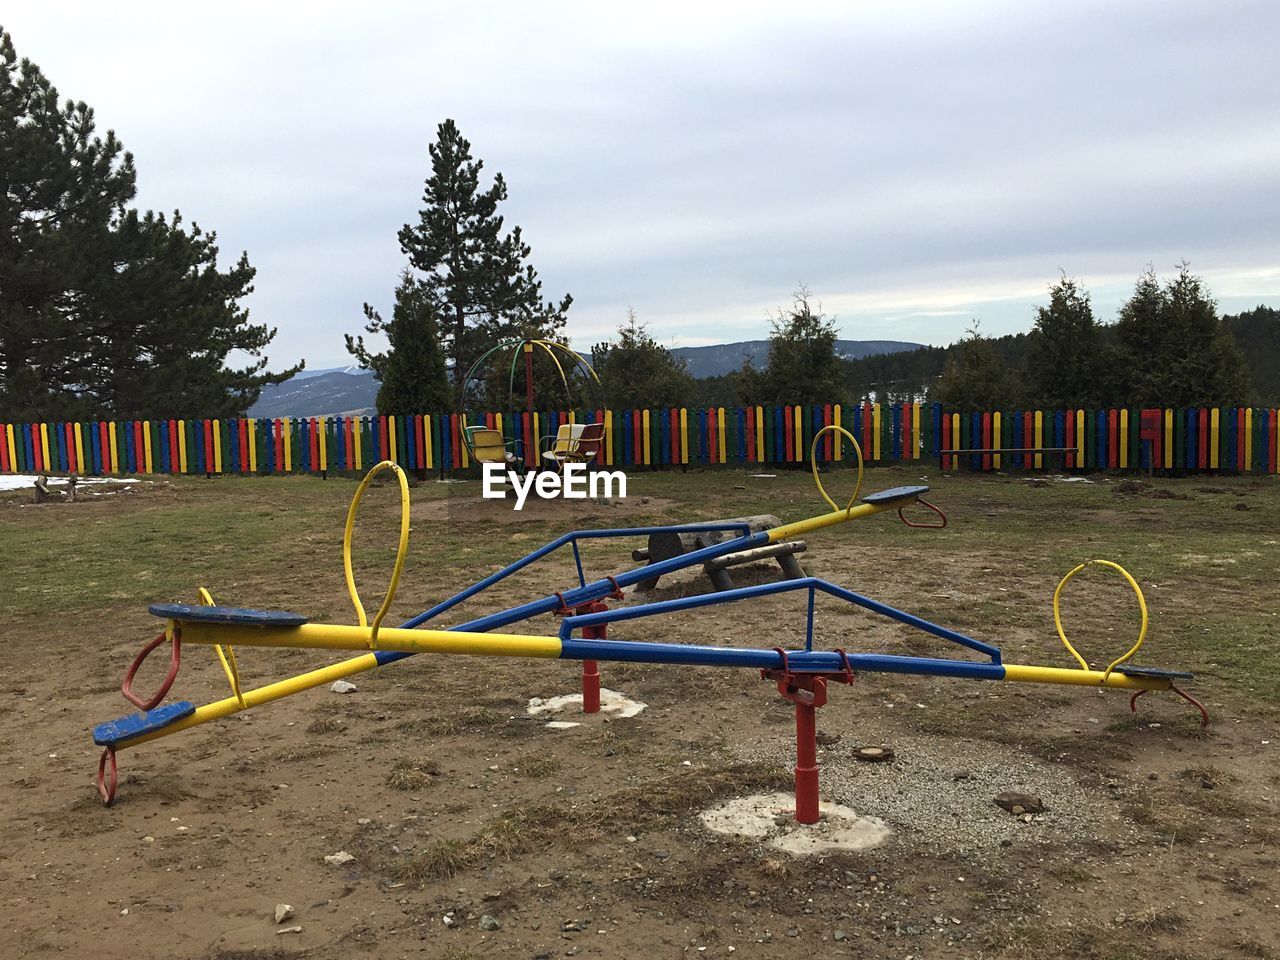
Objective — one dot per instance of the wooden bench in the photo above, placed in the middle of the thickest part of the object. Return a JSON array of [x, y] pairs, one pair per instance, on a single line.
[[667, 544], [1010, 451]]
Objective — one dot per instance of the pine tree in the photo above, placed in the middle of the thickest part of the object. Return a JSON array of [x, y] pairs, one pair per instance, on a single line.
[[105, 311], [412, 370], [803, 366], [975, 376], [1173, 348], [475, 277], [1065, 360], [637, 371]]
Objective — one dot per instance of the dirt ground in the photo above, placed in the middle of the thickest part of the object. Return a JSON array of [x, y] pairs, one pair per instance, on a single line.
[[474, 830]]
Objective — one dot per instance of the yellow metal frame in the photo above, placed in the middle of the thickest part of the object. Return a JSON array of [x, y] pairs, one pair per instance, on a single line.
[[1142, 606], [813, 464], [401, 549]]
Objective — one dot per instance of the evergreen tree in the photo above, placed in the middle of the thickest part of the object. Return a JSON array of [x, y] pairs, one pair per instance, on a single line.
[[475, 277], [1257, 333], [803, 366], [637, 371], [104, 311], [412, 369], [1064, 351], [1173, 348], [975, 376]]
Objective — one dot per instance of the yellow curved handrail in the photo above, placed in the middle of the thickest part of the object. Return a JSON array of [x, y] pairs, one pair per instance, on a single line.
[[813, 463], [227, 658], [401, 549], [1142, 605]]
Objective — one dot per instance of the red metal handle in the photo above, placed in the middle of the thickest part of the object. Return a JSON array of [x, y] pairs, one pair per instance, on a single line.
[[923, 526], [105, 791], [175, 659]]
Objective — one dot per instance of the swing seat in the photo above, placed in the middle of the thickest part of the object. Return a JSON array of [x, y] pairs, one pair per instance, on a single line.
[[136, 724], [894, 494], [489, 446], [231, 615]]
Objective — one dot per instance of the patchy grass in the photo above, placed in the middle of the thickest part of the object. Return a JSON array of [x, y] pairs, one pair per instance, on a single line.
[[536, 826], [325, 724], [302, 752], [453, 723], [412, 774], [537, 766]]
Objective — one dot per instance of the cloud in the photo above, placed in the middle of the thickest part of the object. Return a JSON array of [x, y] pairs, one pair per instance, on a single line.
[[914, 165]]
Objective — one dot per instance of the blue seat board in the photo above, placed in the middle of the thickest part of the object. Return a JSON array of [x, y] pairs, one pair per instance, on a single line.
[[135, 724], [1158, 673], [895, 493], [236, 615]]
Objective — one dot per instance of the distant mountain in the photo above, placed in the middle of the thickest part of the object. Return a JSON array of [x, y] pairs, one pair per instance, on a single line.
[[722, 358], [319, 393], [350, 368], [350, 390]]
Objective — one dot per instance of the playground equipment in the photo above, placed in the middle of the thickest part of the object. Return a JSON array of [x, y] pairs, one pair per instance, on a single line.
[[516, 446], [801, 675]]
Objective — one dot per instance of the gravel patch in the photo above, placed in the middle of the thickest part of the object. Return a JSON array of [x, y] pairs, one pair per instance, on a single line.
[[940, 791]]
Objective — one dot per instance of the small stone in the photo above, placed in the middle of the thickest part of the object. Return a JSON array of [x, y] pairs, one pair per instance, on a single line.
[[448, 920], [148, 839], [283, 912], [364, 821], [631, 838], [874, 754], [1006, 842], [296, 928], [338, 859], [961, 775], [1019, 803], [661, 854], [124, 912], [489, 922], [343, 686], [839, 935]]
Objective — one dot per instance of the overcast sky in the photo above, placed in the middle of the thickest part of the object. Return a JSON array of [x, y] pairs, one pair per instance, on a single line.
[[915, 165]]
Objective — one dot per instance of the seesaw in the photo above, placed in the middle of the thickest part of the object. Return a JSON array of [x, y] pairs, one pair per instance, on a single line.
[[801, 675]]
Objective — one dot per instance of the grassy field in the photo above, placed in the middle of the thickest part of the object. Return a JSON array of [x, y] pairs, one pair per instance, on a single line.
[[454, 803]]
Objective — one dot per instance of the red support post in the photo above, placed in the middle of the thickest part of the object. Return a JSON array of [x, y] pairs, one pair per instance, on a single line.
[[807, 757], [591, 668], [808, 691]]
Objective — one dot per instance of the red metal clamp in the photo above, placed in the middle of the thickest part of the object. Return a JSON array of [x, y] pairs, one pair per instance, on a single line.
[[175, 659], [923, 526], [1204, 714]]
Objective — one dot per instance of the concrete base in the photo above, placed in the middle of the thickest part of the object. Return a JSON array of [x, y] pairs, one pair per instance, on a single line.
[[771, 817]]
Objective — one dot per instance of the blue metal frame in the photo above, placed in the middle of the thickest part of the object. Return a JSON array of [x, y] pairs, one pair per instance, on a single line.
[[812, 584], [746, 539]]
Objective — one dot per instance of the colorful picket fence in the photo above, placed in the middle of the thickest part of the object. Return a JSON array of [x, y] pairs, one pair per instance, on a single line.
[[1236, 439]]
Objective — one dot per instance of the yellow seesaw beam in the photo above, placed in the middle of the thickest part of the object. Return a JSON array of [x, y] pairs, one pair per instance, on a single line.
[[336, 636]]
